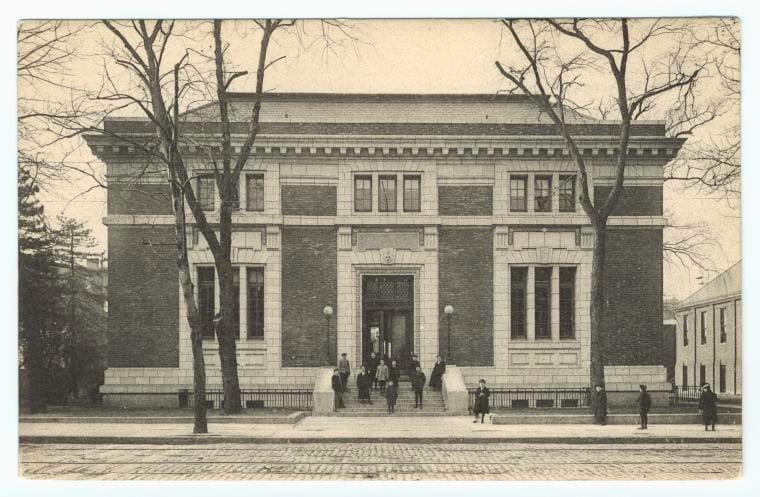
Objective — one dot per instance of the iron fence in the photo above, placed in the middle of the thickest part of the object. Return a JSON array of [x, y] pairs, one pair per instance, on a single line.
[[536, 397], [259, 398], [685, 394]]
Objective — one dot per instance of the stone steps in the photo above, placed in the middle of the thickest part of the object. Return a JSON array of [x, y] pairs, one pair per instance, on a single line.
[[433, 404]]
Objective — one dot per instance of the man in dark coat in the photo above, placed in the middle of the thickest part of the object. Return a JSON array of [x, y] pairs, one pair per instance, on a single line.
[[645, 402], [708, 406], [337, 386], [394, 373], [363, 384], [438, 371], [391, 395], [372, 364], [481, 406], [600, 405], [413, 365], [344, 367], [418, 384]]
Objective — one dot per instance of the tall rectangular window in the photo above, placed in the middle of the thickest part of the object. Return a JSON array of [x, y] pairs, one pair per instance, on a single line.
[[412, 193], [206, 192], [542, 194], [363, 193], [236, 301], [543, 302], [723, 335], [567, 193], [567, 302], [206, 300], [703, 328], [518, 199], [518, 285], [722, 378], [702, 375], [686, 331], [386, 197], [255, 277], [254, 192], [685, 376]]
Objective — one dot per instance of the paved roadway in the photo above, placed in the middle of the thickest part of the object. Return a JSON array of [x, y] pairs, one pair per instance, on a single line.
[[382, 461]]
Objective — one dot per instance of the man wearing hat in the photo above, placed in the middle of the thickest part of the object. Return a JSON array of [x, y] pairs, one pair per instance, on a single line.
[[708, 406], [645, 402]]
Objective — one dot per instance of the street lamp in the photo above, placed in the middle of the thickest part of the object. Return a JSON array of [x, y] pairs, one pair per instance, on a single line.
[[448, 311], [328, 312]]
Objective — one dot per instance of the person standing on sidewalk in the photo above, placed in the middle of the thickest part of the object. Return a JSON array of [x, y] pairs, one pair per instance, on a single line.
[[645, 402], [481, 406], [337, 386], [708, 406], [382, 375], [363, 384], [345, 370], [418, 384], [391, 395], [372, 364], [600, 405]]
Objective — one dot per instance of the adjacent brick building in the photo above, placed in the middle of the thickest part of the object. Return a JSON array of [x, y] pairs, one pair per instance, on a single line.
[[709, 335], [389, 208]]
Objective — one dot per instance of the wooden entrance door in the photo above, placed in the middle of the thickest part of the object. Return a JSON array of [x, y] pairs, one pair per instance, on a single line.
[[388, 316]]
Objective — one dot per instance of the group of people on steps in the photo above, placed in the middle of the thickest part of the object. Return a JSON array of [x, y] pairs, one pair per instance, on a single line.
[[383, 374]]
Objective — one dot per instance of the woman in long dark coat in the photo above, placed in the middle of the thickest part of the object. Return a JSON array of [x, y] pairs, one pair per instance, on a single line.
[[708, 406], [481, 401], [438, 370], [363, 384]]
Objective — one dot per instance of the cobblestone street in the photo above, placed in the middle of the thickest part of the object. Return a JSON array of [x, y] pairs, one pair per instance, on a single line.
[[382, 461]]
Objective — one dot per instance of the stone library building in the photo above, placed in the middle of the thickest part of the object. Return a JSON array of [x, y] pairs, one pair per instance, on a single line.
[[430, 224]]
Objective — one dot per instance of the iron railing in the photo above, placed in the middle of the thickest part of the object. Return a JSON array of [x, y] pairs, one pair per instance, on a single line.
[[536, 397], [688, 394], [258, 398]]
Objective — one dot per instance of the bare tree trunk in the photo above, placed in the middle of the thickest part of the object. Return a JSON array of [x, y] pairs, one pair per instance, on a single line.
[[193, 315], [226, 335], [598, 310]]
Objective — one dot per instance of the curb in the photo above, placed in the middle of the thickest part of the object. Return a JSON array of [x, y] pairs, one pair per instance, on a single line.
[[289, 419], [213, 439]]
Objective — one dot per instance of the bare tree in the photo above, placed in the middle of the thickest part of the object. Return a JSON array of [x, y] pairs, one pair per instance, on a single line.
[[48, 103], [687, 245], [712, 164], [144, 50], [557, 58]]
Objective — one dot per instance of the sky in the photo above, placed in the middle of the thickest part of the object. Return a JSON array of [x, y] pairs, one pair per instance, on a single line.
[[409, 56]]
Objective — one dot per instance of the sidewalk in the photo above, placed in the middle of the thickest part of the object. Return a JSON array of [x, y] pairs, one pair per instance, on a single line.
[[316, 429]]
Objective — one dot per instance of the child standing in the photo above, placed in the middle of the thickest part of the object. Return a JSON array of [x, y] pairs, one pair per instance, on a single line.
[[391, 395]]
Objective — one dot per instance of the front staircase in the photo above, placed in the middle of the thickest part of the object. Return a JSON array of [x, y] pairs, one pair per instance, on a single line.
[[432, 403]]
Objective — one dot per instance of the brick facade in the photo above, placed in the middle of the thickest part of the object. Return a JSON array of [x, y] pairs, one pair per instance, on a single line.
[[465, 200], [139, 199], [633, 285], [143, 293], [308, 200], [309, 283], [635, 200], [458, 241], [465, 269]]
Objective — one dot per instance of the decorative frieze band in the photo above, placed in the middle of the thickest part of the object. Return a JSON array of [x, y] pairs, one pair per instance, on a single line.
[[412, 151]]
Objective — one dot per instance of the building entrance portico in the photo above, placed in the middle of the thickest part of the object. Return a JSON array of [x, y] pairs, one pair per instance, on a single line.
[[388, 318]]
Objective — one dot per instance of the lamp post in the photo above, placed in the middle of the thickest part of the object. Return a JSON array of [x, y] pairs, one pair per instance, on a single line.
[[328, 312], [448, 311]]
